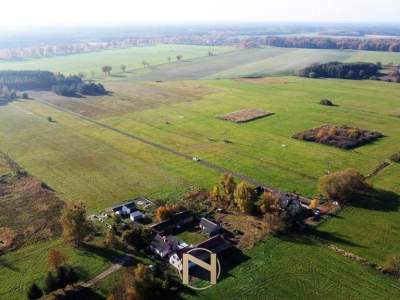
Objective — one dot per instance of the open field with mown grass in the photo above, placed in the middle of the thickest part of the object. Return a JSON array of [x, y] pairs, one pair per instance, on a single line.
[[84, 162], [297, 268], [256, 147], [131, 57], [371, 229]]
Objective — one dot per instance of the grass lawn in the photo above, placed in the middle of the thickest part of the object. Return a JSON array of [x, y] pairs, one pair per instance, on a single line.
[[84, 162], [299, 269], [190, 237], [371, 233], [22, 267], [131, 57]]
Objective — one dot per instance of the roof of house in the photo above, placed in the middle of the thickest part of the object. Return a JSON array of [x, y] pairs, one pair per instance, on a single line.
[[164, 243], [136, 213], [209, 225], [171, 223], [119, 205], [181, 216], [216, 244], [163, 225], [129, 205]]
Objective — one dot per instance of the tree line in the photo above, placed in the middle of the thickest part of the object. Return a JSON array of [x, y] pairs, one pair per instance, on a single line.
[[341, 70], [46, 80], [391, 45]]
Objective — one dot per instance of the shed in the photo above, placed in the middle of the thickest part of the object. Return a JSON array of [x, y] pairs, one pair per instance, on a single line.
[[209, 227], [136, 215]]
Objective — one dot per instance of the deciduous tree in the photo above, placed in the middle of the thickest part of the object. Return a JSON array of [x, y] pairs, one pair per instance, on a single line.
[[341, 186], [244, 197], [56, 259], [75, 225]]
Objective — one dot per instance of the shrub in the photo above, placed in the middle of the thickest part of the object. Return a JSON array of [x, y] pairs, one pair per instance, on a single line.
[[270, 203], [25, 96], [277, 222], [341, 186], [312, 75], [326, 102], [165, 212], [314, 204], [34, 292], [392, 266], [395, 157], [333, 131]]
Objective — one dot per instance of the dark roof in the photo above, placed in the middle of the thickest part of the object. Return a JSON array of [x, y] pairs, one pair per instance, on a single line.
[[181, 216], [164, 225], [215, 244], [209, 225], [130, 205], [125, 203], [164, 243]]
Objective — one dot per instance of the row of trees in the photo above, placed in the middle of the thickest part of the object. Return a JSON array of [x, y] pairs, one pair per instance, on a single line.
[[13, 81], [341, 70], [391, 45], [106, 69]]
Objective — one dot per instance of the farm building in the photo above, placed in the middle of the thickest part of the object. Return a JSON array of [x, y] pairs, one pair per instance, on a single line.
[[124, 208], [178, 220], [216, 244], [209, 227], [166, 245], [136, 215]]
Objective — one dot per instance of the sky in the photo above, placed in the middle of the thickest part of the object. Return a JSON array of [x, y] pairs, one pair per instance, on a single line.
[[104, 12]]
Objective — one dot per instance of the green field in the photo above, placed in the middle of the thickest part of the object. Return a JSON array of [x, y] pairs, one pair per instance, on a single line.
[[299, 269], [131, 57], [196, 64], [84, 162], [99, 165], [22, 267], [260, 62]]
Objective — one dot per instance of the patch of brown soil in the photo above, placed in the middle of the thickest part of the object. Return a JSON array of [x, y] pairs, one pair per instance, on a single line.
[[128, 96], [251, 228], [245, 115], [339, 136], [29, 210]]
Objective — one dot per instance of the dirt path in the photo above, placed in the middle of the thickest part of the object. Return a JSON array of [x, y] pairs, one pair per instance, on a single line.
[[124, 261]]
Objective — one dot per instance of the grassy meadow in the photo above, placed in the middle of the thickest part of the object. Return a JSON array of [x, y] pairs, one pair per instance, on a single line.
[[21, 268], [131, 57], [86, 162], [83, 162], [298, 269]]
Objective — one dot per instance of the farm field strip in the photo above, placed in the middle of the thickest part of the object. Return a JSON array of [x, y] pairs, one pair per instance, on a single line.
[[193, 128], [85, 162], [209, 165], [132, 57]]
